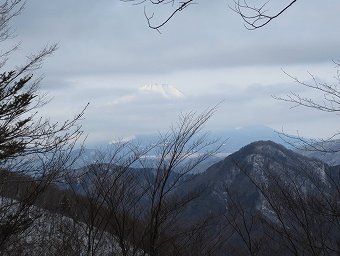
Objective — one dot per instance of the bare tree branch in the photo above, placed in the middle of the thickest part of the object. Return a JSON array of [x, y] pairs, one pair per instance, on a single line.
[[327, 99], [255, 17]]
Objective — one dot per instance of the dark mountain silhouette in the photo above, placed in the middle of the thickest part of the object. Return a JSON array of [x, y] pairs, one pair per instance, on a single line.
[[257, 163]]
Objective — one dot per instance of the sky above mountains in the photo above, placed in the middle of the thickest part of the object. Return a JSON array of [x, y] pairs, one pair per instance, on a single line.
[[138, 81]]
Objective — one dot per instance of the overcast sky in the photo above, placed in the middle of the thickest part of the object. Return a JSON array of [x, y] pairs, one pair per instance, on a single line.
[[138, 81]]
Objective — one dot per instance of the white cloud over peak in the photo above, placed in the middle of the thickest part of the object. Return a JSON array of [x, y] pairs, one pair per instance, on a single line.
[[148, 92], [123, 139], [124, 99], [167, 91]]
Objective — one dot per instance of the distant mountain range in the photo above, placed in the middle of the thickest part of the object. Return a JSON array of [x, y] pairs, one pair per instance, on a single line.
[[234, 140]]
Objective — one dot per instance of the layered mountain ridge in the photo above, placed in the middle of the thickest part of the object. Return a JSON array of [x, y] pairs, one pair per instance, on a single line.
[[254, 166]]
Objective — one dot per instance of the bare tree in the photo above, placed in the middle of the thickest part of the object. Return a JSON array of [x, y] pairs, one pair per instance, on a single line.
[[257, 16], [298, 214], [245, 223], [326, 98], [145, 207], [34, 152], [106, 195], [177, 154]]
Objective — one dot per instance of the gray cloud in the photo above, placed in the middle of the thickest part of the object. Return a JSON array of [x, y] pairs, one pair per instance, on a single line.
[[107, 52], [110, 37]]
